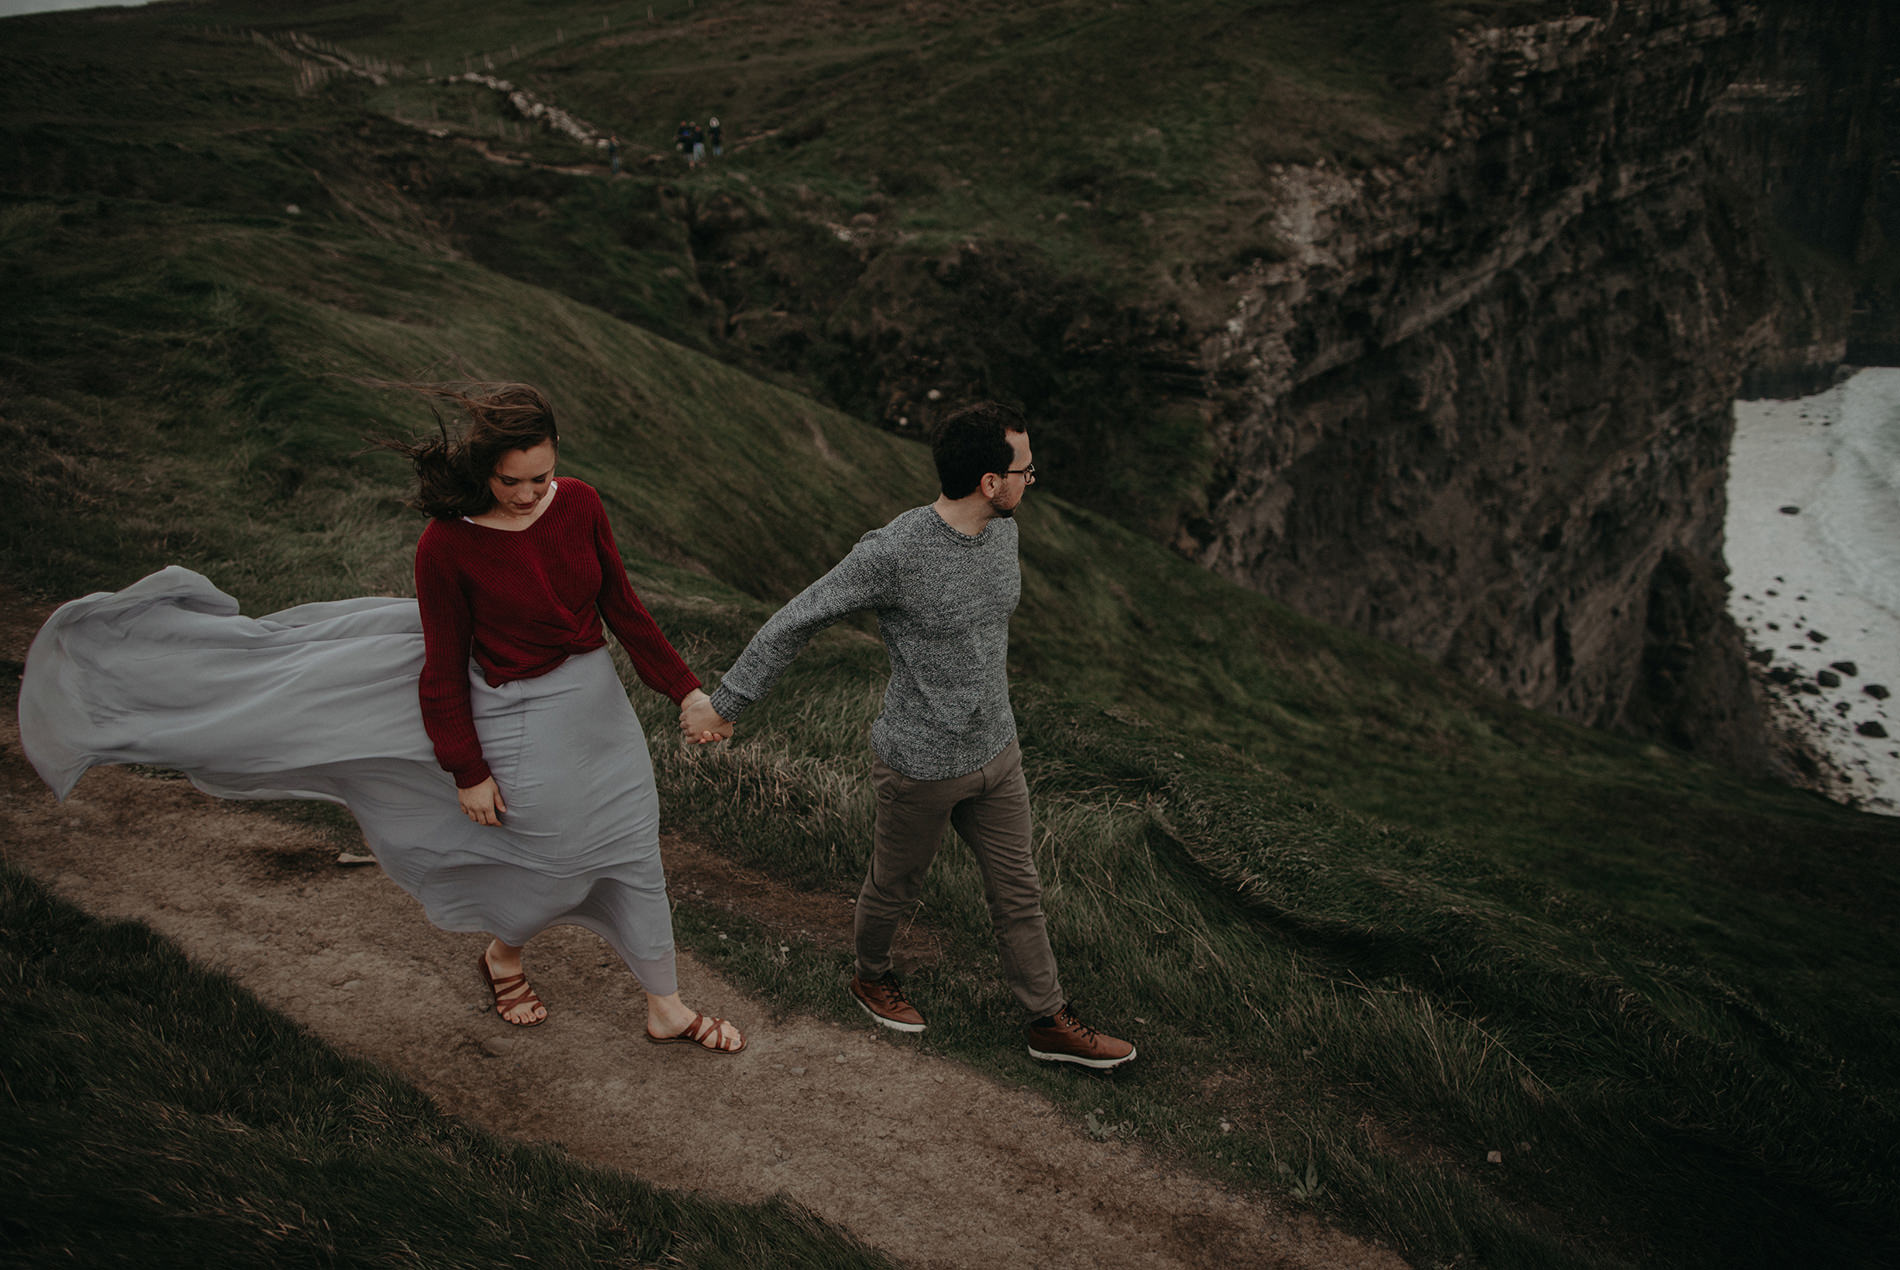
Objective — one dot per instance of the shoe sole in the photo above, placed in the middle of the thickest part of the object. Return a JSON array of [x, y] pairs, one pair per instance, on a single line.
[[892, 1024], [1099, 1064]]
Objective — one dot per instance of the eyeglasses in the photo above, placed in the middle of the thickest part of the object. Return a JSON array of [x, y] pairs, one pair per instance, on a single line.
[[1027, 473]]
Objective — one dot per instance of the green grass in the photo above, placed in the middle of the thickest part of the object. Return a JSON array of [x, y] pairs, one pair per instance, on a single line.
[[1372, 919], [158, 1115], [1063, 176]]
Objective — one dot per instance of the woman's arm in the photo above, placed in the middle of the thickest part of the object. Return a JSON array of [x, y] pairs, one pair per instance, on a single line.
[[447, 633], [654, 659]]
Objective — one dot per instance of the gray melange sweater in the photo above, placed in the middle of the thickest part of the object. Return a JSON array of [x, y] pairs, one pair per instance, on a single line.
[[943, 601]]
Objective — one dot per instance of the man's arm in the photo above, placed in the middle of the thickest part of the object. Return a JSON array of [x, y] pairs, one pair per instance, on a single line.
[[859, 581]]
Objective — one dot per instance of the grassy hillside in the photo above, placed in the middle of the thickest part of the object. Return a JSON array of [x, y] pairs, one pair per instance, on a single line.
[[1020, 199], [1374, 923]]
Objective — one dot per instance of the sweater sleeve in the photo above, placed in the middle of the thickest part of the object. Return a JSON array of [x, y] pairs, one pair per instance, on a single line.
[[857, 582], [447, 632], [655, 660]]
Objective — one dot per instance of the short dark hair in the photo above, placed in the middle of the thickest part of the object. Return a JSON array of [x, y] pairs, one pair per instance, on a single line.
[[974, 441]]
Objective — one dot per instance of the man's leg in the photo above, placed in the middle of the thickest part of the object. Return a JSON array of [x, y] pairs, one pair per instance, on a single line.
[[994, 820], [996, 825], [911, 815]]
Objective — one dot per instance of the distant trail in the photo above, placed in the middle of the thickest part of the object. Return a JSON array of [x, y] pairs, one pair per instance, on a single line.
[[916, 1155]]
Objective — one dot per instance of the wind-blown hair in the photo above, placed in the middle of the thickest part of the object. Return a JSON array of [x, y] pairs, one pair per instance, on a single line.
[[971, 442], [452, 469]]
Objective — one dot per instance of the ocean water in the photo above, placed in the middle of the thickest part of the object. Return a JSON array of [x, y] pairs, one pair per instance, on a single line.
[[1814, 572]]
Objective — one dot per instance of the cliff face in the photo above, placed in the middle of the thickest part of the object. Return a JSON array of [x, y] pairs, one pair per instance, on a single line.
[[1483, 406], [1810, 132], [1477, 400]]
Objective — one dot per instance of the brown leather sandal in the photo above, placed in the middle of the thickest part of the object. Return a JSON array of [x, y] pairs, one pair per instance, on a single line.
[[509, 993], [696, 1032]]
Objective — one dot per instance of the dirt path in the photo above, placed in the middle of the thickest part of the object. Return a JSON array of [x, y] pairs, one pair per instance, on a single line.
[[918, 1156]]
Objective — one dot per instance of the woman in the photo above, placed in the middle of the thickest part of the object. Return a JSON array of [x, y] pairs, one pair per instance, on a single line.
[[519, 796]]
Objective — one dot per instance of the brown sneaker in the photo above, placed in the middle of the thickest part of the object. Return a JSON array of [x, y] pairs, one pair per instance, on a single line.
[[1063, 1038], [884, 1001]]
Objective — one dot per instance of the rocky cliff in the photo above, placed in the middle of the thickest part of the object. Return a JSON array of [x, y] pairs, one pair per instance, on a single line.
[[1482, 407], [1468, 389]]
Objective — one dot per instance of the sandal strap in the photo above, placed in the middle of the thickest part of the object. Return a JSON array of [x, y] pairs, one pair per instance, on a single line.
[[699, 1030], [511, 992], [715, 1028]]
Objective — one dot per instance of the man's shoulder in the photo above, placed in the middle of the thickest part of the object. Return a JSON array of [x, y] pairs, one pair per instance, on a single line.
[[923, 527], [918, 520], [895, 533]]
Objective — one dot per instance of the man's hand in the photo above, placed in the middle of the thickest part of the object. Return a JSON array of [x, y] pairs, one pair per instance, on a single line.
[[482, 803], [699, 722]]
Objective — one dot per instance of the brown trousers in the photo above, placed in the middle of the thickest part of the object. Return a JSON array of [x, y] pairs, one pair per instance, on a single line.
[[990, 810]]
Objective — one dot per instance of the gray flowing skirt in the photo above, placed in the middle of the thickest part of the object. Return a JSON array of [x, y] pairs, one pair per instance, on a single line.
[[319, 701]]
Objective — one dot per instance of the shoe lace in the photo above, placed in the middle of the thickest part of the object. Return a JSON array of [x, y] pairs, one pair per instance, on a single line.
[[893, 990], [1067, 1016]]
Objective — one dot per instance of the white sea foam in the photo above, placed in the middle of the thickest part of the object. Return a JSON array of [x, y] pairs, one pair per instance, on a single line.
[[1814, 568], [1859, 511]]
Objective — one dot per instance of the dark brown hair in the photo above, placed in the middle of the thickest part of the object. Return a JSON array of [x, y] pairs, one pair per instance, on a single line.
[[452, 468], [972, 443]]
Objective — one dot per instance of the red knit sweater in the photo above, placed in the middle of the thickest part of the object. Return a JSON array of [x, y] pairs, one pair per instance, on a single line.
[[522, 602]]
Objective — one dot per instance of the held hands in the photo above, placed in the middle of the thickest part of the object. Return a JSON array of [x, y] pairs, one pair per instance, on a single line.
[[700, 724], [482, 803]]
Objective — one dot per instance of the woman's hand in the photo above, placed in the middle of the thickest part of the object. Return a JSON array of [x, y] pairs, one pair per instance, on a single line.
[[699, 722], [482, 803]]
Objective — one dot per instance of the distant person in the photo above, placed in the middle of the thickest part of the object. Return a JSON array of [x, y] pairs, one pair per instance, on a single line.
[[478, 733], [613, 153], [715, 137], [698, 141], [683, 138], [943, 580]]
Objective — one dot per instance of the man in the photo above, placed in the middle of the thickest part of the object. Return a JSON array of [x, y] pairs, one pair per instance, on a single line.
[[943, 580]]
